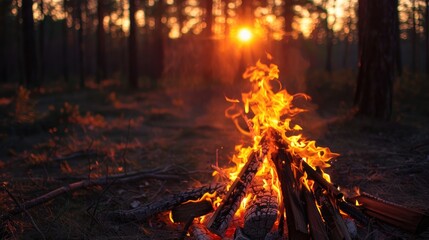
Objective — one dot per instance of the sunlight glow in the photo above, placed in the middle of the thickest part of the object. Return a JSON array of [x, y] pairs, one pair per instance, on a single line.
[[244, 35]]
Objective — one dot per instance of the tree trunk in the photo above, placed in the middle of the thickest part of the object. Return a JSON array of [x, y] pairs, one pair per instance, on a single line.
[[288, 16], [245, 13], [329, 41], [329, 46], [347, 37], [65, 42], [5, 6], [209, 43], [30, 58], [80, 43], [414, 39], [209, 18], [398, 41], [377, 58], [42, 42], [132, 48], [427, 36], [101, 62], [155, 52]]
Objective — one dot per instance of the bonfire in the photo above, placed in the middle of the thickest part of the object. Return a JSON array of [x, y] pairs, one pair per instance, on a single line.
[[277, 187]]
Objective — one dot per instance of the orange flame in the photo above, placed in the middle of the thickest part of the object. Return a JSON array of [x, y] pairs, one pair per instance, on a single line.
[[272, 110]]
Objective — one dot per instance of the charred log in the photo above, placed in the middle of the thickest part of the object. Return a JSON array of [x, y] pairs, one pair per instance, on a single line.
[[261, 214], [165, 204], [353, 212], [200, 232], [223, 215], [315, 221], [336, 227], [183, 212], [396, 215], [317, 177], [291, 192]]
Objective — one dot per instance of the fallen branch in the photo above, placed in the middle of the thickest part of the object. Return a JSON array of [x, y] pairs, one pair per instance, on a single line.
[[78, 154], [116, 179], [164, 204]]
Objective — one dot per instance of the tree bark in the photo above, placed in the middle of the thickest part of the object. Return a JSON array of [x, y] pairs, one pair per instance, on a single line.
[[209, 43], [347, 37], [132, 48], [427, 36], [414, 39], [329, 41], [377, 58], [288, 16], [30, 57], [5, 6], [65, 42], [398, 40], [80, 43], [101, 62], [156, 50], [42, 42]]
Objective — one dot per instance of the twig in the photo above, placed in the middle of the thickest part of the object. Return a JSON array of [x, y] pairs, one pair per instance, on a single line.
[[25, 211], [119, 178]]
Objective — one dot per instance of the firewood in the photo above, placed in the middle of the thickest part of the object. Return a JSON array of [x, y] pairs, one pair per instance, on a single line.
[[312, 174], [164, 204], [291, 192], [317, 227], [337, 229], [396, 215], [261, 213], [223, 215], [183, 212], [200, 232], [240, 235], [353, 212]]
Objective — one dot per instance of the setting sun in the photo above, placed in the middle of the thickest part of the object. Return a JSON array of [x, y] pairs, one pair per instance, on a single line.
[[244, 35]]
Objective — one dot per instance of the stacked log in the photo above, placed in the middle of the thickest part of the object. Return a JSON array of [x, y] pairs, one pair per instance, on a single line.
[[261, 213], [223, 215]]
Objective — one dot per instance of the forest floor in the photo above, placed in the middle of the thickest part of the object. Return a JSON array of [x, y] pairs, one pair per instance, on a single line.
[[52, 137]]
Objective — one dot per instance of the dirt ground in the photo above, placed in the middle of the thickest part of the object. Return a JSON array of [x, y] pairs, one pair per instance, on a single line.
[[55, 137]]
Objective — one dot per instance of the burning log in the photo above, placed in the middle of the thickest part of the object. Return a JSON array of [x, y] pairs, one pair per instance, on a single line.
[[353, 212], [336, 226], [223, 215], [317, 177], [187, 212], [261, 214], [396, 215], [200, 232], [183, 212], [291, 192], [165, 204], [317, 227]]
